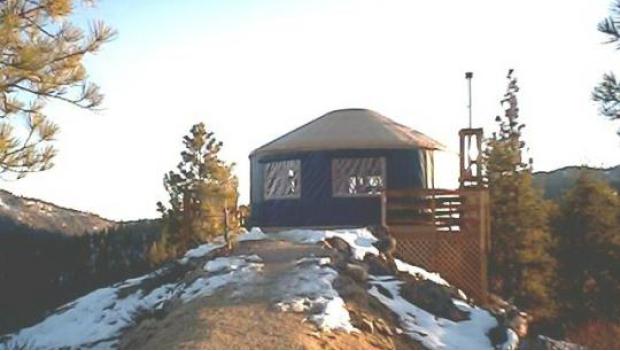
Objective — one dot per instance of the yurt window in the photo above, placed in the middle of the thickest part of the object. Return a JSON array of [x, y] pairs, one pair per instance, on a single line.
[[282, 180], [358, 176]]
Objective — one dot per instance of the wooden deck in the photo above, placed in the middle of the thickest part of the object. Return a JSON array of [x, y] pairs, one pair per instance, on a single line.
[[445, 231]]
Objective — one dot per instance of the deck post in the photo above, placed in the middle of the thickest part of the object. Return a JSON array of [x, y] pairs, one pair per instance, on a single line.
[[477, 222], [384, 209]]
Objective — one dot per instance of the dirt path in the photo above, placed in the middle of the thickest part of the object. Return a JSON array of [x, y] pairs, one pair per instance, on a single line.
[[247, 319]]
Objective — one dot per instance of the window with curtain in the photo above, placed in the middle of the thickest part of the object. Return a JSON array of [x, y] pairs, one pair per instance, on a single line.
[[358, 176], [283, 180]]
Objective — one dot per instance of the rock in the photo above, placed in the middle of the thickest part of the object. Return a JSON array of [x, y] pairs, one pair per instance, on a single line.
[[379, 231], [279, 307], [497, 336], [383, 291], [503, 338], [356, 271], [387, 246], [297, 307], [519, 323], [348, 288], [512, 340], [434, 298], [378, 266], [316, 308], [398, 331], [340, 245], [512, 328]]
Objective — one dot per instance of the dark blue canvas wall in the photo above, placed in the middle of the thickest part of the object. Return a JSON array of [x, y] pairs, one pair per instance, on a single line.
[[317, 206]]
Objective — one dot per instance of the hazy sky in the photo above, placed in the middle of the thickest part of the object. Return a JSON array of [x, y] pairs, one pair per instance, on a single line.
[[253, 70]]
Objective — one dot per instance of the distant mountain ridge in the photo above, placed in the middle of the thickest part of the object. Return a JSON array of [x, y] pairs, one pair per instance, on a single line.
[[42, 215], [555, 183], [50, 255]]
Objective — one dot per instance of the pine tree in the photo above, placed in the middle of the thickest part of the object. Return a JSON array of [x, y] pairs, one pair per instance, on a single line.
[[607, 93], [588, 232], [200, 191], [157, 253], [521, 266], [40, 59]]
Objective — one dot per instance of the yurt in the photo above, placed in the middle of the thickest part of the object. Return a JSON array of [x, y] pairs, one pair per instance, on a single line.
[[331, 171]]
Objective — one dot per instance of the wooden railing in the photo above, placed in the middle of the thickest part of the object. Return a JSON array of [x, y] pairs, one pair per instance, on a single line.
[[439, 208]]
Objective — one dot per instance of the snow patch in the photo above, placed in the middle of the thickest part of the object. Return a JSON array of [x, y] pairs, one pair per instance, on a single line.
[[309, 288], [254, 234], [326, 313], [93, 321], [231, 263], [200, 251], [98, 319], [205, 249], [432, 331], [418, 271], [321, 261], [334, 316], [360, 240], [236, 269]]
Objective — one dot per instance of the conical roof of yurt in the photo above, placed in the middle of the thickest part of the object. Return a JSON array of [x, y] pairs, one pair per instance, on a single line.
[[349, 129]]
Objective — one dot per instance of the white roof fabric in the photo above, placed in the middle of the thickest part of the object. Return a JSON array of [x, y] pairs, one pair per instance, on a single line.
[[349, 129]]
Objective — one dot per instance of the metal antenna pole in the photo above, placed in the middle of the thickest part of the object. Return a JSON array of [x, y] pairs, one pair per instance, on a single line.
[[469, 76]]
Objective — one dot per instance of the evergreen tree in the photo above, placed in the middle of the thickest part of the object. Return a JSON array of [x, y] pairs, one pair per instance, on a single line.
[[201, 191], [41, 270], [521, 266], [607, 93], [40, 59], [588, 252]]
